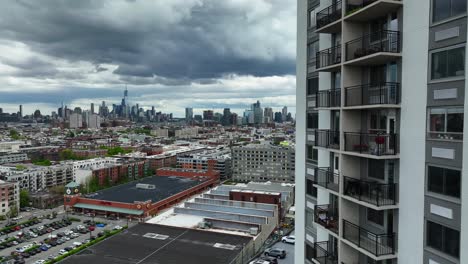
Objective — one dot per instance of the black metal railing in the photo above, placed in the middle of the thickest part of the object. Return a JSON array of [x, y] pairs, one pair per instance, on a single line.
[[327, 139], [354, 6], [324, 254], [377, 244], [377, 144], [328, 57], [329, 14], [379, 41], [371, 192], [325, 177], [327, 216], [373, 94], [329, 98]]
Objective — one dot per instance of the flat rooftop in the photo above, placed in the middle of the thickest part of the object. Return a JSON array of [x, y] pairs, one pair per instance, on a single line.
[[156, 244], [165, 187]]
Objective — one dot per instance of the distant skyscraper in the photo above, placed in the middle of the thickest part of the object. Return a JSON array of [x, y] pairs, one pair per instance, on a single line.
[[227, 117], [92, 108], [284, 113], [278, 117], [268, 115], [257, 112], [208, 115], [188, 114], [21, 111]]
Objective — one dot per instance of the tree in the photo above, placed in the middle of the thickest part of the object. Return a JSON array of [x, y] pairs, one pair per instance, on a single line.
[[12, 213], [57, 190], [24, 198]]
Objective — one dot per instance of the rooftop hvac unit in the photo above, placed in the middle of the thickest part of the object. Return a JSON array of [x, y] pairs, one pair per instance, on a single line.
[[254, 231], [145, 186], [204, 225]]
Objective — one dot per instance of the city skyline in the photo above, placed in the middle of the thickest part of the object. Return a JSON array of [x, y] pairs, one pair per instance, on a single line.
[[41, 68]]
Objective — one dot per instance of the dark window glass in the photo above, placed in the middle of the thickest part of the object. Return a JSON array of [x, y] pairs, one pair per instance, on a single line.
[[310, 189], [444, 181], [443, 9], [375, 216], [442, 238], [376, 169], [312, 86], [448, 63], [312, 120]]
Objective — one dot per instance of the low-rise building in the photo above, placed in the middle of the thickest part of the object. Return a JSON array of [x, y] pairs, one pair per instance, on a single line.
[[219, 160], [13, 157], [9, 195]]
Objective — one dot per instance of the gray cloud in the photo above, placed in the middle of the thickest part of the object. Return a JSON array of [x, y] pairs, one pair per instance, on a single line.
[[171, 52]]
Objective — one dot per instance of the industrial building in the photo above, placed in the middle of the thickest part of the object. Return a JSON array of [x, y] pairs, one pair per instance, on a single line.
[[144, 197]]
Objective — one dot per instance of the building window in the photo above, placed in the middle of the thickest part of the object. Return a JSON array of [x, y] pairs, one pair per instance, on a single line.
[[312, 50], [375, 216], [312, 20], [376, 169], [442, 238], [443, 9], [445, 123], [448, 63], [312, 154], [444, 181], [312, 120], [310, 189], [312, 86]]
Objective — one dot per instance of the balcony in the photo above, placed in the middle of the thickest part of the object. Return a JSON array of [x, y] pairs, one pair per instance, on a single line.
[[386, 93], [373, 49], [376, 244], [327, 139], [374, 193], [322, 253], [326, 178], [327, 217], [329, 59], [375, 144], [367, 10], [328, 98], [329, 19]]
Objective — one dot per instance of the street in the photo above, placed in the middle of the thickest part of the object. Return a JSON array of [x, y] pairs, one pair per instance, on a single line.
[[289, 251]]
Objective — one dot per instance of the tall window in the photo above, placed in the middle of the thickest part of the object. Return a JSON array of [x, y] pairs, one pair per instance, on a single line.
[[312, 120], [310, 189], [312, 154], [444, 181], [446, 123], [312, 19], [313, 48], [448, 63], [375, 216], [443, 239], [312, 86], [443, 9], [376, 169]]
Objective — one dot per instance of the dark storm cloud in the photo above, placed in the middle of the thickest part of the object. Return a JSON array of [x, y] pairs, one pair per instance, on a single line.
[[189, 40]]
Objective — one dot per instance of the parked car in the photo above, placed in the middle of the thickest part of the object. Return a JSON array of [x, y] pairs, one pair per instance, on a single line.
[[275, 252], [62, 252], [288, 239], [271, 260]]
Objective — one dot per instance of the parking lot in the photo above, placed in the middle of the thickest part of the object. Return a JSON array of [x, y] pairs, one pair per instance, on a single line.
[[56, 229]]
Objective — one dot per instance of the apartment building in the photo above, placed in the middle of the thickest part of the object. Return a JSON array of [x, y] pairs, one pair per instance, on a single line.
[[36, 178], [9, 195], [219, 160], [380, 109], [263, 162], [12, 157]]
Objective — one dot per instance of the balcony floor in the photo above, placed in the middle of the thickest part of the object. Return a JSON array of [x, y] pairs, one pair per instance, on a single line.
[[333, 27], [374, 11], [375, 106], [369, 156], [330, 68], [374, 59]]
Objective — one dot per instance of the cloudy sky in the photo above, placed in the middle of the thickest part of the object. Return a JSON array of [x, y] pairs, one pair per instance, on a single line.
[[205, 54]]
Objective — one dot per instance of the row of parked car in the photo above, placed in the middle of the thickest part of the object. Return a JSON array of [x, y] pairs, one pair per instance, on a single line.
[[13, 226]]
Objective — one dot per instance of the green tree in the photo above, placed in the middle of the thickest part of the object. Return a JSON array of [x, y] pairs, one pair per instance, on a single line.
[[57, 190], [24, 198], [14, 134], [12, 213]]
